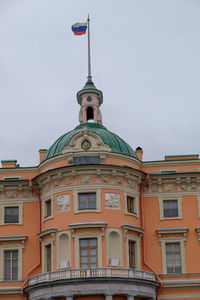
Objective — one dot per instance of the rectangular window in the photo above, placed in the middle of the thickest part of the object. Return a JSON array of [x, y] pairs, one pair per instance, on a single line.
[[88, 253], [47, 208], [170, 208], [131, 252], [130, 204], [48, 257], [11, 265], [173, 257], [11, 214], [87, 200]]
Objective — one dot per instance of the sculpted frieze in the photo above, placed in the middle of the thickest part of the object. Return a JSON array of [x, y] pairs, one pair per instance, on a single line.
[[169, 187], [112, 200], [87, 179], [11, 194], [68, 180], [106, 179], [63, 203]]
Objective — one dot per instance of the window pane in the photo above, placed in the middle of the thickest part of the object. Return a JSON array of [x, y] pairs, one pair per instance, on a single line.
[[169, 247], [84, 259], [92, 197], [92, 259], [84, 266], [177, 247], [166, 204], [174, 203], [84, 252], [83, 243], [93, 265], [92, 242], [93, 251]]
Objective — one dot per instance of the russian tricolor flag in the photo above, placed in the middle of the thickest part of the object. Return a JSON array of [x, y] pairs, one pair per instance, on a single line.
[[79, 28]]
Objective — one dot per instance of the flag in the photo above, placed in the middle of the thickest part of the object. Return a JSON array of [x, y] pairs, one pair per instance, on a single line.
[[79, 28]]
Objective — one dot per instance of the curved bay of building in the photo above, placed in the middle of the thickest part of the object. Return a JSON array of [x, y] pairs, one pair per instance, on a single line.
[[93, 221]]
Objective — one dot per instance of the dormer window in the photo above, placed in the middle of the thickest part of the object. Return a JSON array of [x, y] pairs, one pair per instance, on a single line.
[[90, 113]]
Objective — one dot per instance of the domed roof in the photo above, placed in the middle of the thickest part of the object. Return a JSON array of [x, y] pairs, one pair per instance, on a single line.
[[116, 144]]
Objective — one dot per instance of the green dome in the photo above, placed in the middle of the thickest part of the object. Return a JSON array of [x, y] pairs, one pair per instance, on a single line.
[[116, 144]]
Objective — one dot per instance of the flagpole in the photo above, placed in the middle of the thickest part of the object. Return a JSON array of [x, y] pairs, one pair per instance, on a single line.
[[89, 61]]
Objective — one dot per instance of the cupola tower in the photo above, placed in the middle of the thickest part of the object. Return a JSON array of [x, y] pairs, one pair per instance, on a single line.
[[90, 100]]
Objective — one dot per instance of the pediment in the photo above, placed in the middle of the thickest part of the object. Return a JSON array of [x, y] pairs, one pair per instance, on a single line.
[[86, 141]]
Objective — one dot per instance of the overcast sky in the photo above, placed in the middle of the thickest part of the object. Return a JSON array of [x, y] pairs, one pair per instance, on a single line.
[[145, 59]]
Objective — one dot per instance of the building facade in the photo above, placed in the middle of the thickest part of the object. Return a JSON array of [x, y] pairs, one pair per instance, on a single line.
[[95, 221]]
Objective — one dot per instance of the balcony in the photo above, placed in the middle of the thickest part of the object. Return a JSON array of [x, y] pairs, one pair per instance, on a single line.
[[94, 281], [91, 273]]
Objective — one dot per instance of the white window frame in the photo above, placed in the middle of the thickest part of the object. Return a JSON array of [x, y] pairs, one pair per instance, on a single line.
[[77, 238], [4, 248], [11, 204], [137, 251], [167, 198], [44, 218], [136, 213], [44, 244], [87, 190], [179, 240]]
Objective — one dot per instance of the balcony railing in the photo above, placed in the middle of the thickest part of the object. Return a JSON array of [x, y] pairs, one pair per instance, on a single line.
[[91, 273]]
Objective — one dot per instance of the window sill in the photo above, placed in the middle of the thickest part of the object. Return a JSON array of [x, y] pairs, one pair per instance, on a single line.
[[86, 211], [171, 218], [131, 214], [8, 224]]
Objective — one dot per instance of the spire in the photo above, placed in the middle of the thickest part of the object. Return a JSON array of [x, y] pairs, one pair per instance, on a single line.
[[90, 98]]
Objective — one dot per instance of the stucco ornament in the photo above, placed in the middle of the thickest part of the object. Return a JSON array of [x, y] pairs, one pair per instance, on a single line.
[[86, 145], [11, 194], [87, 179], [68, 180], [63, 202], [112, 201]]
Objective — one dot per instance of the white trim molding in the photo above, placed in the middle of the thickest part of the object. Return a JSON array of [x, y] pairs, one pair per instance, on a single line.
[[176, 197], [172, 235]]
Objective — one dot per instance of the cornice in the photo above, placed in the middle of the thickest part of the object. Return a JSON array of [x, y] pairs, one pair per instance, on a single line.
[[47, 232], [11, 238], [133, 228], [10, 290], [102, 154], [165, 163], [84, 225], [174, 230]]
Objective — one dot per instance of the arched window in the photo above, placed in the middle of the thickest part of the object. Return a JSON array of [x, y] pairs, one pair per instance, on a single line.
[[114, 249], [63, 251], [90, 113]]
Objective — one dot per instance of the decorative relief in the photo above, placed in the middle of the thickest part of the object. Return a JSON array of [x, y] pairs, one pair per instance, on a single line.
[[154, 187], [87, 178], [119, 180], [11, 194], [56, 182], [68, 180], [46, 187], [183, 186], [169, 187], [112, 200], [63, 203], [193, 186], [26, 193], [105, 179], [131, 184]]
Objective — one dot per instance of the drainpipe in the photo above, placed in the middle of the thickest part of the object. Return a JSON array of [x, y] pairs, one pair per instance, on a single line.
[[143, 236], [39, 230]]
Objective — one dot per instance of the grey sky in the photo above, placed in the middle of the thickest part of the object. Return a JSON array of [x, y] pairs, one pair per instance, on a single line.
[[145, 59]]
